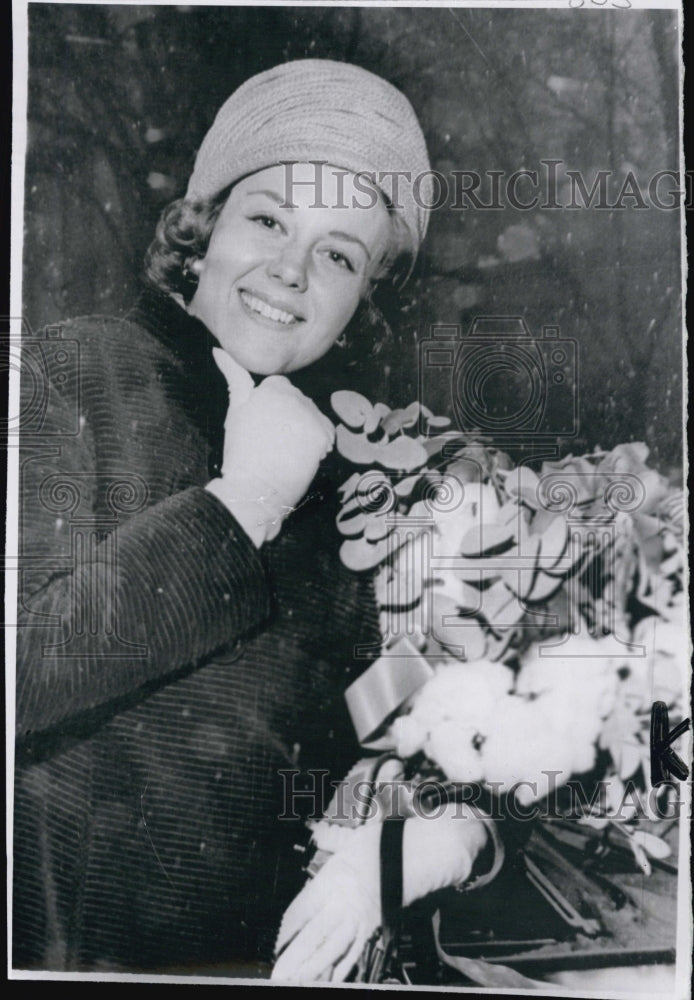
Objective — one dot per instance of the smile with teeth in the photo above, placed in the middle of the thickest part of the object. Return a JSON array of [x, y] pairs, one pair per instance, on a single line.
[[269, 312]]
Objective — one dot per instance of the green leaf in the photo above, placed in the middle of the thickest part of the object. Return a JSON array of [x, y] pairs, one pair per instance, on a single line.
[[487, 539], [500, 606], [466, 470], [453, 442], [353, 524], [523, 482], [403, 453], [465, 597], [397, 587], [398, 420], [553, 542], [510, 514], [453, 631], [403, 487], [378, 527], [358, 554], [354, 447], [348, 487], [375, 492], [379, 411], [544, 586], [351, 407], [655, 846], [351, 507], [520, 581], [640, 857]]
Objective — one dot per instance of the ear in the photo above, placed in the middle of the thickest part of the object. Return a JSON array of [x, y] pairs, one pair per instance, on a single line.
[[197, 265]]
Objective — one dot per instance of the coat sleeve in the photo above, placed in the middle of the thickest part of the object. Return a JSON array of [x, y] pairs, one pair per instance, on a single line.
[[108, 605]]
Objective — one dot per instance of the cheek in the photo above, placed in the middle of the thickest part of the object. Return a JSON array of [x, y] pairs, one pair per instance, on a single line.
[[339, 305], [216, 284], [228, 258]]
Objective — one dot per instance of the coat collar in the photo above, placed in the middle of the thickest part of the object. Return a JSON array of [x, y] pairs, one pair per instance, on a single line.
[[186, 337]]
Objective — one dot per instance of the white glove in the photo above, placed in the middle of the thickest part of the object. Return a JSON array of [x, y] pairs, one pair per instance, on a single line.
[[274, 440], [326, 927]]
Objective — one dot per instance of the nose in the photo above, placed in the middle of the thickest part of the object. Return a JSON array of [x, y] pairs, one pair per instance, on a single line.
[[290, 267]]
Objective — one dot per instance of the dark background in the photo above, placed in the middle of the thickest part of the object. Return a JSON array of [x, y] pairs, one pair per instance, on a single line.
[[120, 98]]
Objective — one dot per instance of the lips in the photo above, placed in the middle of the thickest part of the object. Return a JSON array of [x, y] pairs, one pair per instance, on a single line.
[[273, 312]]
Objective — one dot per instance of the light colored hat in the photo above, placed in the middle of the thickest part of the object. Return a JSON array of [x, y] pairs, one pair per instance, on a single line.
[[319, 109]]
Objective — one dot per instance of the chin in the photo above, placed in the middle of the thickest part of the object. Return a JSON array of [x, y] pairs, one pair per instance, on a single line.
[[264, 369], [257, 362]]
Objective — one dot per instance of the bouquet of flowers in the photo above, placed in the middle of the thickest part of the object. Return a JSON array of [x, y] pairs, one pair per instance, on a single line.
[[530, 617]]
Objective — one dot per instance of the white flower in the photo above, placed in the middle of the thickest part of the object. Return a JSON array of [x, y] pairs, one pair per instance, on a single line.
[[453, 746], [408, 735], [451, 714], [522, 744], [581, 675], [466, 693]]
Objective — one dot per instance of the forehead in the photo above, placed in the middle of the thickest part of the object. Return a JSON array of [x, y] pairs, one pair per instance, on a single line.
[[314, 185]]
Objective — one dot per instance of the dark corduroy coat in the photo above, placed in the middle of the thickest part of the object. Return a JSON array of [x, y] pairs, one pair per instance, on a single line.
[[167, 671]]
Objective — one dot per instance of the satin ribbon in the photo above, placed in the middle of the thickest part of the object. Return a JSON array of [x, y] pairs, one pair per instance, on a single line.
[[382, 689], [489, 974]]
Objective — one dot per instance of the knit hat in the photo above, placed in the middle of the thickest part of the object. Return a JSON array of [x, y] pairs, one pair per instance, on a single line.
[[319, 109]]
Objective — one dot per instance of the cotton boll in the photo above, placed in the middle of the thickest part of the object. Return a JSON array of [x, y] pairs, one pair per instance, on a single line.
[[464, 692], [539, 675], [408, 735], [577, 724], [451, 746], [496, 677], [581, 739], [608, 695], [583, 757], [576, 703], [522, 744], [449, 711], [582, 683], [576, 709], [575, 663]]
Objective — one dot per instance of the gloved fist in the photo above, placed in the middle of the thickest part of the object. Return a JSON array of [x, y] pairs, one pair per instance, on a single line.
[[274, 440]]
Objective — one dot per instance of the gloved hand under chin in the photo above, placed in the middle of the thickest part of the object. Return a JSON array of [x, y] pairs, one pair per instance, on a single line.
[[274, 440]]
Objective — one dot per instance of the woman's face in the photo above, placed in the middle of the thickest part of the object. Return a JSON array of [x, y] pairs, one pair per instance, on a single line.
[[279, 284]]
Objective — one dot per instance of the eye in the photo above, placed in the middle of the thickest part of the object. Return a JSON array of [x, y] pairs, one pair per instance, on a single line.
[[267, 222], [339, 258]]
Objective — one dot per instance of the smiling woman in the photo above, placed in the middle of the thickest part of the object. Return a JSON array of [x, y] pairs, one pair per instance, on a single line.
[[187, 626], [281, 279]]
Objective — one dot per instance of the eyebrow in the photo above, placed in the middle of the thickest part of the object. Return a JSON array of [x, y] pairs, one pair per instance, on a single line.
[[338, 234], [274, 196], [335, 233]]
